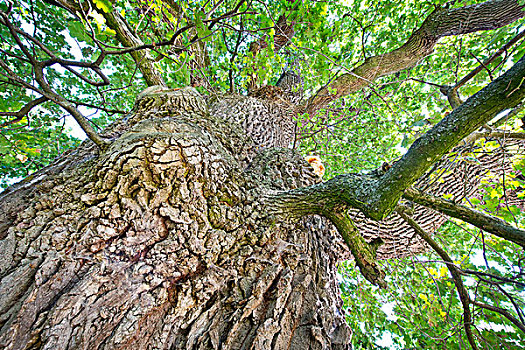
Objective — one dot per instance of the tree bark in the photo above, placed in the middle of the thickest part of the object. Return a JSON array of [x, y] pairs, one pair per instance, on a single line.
[[172, 237], [179, 234], [163, 242], [440, 23]]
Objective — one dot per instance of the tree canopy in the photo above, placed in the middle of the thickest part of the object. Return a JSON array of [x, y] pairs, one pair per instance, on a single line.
[[389, 87]]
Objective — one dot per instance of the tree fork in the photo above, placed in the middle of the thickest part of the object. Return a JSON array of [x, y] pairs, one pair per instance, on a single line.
[[506, 92], [318, 200], [377, 197]]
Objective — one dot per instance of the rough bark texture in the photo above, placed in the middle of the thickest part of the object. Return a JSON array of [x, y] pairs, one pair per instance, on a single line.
[[167, 239], [440, 23], [162, 242]]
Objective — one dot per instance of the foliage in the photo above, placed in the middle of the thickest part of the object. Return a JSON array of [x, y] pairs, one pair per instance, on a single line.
[[395, 110], [421, 309], [355, 134]]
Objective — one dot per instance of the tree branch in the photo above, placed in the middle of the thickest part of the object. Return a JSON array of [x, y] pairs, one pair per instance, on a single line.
[[479, 68], [67, 64], [45, 89], [500, 134], [130, 39], [454, 272], [300, 203], [48, 93], [480, 275], [23, 111], [514, 112], [138, 50], [451, 92], [488, 279], [440, 23], [82, 121], [483, 221], [376, 195], [505, 92], [500, 311], [363, 253]]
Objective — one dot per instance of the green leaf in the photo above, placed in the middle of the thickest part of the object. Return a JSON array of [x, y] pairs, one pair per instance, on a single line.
[[104, 5], [78, 31], [202, 29]]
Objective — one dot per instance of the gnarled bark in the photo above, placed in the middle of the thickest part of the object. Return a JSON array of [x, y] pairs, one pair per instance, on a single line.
[[162, 241], [177, 236]]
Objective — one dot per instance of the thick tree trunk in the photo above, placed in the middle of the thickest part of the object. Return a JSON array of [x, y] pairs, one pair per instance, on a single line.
[[164, 242], [173, 238]]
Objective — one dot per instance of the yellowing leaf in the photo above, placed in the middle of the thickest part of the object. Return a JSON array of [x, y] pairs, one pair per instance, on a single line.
[[443, 271], [516, 184], [104, 5], [109, 31], [324, 10]]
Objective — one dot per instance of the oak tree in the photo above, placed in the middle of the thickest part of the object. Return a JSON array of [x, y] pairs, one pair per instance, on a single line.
[[189, 218]]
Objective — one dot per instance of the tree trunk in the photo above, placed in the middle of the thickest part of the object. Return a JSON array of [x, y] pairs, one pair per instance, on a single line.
[[164, 241], [181, 234]]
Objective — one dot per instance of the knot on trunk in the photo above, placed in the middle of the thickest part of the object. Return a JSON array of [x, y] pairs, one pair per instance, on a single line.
[[179, 100]]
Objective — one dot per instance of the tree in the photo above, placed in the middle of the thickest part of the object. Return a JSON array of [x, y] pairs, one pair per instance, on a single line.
[[188, 222]]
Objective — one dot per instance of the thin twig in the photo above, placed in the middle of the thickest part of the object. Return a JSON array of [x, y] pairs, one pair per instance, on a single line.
[[501, 311]]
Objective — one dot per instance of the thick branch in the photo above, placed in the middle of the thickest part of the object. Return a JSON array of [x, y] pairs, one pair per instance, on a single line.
[[82, 121], [483, 221], [363, 253], [452, 96], [129, 39], [505, 92], [440, 23], [376, 196], [499, 134], [319, 200]]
